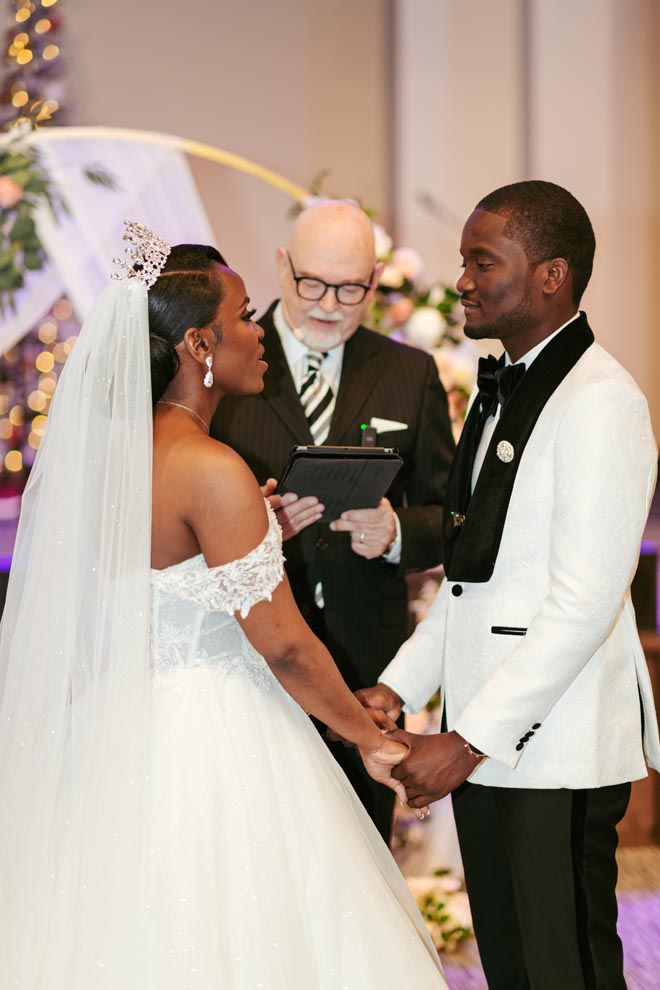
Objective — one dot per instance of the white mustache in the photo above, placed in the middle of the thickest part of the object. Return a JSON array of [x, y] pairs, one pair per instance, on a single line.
[[318, 314]]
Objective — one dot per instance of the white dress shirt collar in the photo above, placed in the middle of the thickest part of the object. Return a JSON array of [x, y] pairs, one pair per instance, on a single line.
[[531, 356]]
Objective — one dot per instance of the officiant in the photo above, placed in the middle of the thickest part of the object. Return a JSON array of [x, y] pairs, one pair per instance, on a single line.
[[329, 377]]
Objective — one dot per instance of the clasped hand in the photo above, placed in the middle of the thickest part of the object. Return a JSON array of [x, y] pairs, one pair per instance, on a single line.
[[437, 763]]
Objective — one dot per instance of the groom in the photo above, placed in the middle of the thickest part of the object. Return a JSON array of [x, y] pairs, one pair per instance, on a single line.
[[548, 710]]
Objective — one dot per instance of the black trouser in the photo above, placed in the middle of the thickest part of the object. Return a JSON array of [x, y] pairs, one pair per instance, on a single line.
[[540, 870]]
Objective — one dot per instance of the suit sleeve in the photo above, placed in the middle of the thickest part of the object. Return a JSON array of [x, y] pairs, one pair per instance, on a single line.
[[604, 475], [421, 517]]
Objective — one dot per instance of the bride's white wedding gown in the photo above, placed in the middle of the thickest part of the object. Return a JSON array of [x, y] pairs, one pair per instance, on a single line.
[[267, 872]]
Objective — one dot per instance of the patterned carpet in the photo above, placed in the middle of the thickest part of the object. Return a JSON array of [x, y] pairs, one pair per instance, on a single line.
[[639, 927]]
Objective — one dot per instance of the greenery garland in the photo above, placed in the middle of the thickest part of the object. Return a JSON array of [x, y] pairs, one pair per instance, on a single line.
[[24, 185]]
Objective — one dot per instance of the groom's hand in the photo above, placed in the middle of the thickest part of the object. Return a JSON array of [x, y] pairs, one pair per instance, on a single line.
[[436, 765]]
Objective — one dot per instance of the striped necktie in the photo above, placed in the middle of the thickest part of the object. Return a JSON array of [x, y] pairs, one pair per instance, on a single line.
[[316, 397]]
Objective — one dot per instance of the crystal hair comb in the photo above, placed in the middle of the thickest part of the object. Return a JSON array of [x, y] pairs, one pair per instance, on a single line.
[[147, 254]]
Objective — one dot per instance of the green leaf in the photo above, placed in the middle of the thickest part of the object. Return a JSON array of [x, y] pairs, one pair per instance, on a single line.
[[33, 262], [22, 176], [16, 163], [10, 279], [6, 259], [100, 176], [23, 229]]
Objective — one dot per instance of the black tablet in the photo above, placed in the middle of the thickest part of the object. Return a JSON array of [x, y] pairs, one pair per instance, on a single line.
[[342, 478]]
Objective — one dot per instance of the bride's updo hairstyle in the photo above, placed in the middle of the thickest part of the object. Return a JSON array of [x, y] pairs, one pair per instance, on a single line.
[[186, 294]]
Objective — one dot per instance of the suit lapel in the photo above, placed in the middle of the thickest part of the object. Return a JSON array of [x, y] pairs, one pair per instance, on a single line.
[[279, 389], [361, 369], [470, 551]]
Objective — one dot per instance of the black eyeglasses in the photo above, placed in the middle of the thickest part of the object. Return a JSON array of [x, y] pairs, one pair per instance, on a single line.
[[313, 289]]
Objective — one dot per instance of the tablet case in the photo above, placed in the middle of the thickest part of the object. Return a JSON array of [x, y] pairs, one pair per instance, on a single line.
[[342, 478]]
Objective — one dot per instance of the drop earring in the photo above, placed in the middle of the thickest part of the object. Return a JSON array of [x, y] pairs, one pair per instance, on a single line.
[[208, 377]]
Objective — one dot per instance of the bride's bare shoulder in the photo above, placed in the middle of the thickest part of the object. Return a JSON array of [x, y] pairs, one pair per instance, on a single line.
[[223, 503]]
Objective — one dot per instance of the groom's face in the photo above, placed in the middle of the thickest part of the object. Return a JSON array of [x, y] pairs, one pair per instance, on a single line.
[[498, 286]]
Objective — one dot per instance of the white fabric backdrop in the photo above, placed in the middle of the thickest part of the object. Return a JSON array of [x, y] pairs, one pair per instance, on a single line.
[[153, 185]]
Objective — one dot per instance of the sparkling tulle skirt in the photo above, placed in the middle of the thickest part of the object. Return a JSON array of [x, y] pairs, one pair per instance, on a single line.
[[267, 871]]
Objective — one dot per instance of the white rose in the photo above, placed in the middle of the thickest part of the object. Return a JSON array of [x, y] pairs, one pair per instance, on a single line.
[[436, 295], [458, 907], [408, 262], [383, 242], [424, 328], [391, 277], [421, 886], [448, 883], [456, 367]]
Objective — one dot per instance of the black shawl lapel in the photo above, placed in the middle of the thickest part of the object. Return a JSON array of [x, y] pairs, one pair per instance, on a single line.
[[279, 389], [361, 368], [470, 551]]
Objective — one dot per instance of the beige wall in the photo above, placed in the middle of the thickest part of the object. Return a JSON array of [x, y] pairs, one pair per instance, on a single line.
[[566, 90], [297, 85]]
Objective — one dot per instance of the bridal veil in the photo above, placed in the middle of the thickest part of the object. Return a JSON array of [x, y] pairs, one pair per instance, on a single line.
[[74, 670]]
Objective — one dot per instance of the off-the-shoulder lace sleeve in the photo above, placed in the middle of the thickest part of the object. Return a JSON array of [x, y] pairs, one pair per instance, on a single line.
[[232, 587]]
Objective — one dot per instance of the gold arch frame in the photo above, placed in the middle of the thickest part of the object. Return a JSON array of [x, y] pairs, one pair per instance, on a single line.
[[195, 148]]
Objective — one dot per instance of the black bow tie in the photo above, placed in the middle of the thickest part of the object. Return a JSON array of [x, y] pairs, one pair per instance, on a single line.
[[496, 383]]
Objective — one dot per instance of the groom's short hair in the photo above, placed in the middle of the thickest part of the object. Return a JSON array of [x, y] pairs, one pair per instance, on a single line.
[[193, 258], [549, 222]]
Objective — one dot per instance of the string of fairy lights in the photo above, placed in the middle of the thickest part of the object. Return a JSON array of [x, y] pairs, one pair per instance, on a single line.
[[33, 74], [28, 375], [32, 89]]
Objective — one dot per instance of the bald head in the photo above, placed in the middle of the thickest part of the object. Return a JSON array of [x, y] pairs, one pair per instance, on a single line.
[[331, 241], [341, 230]]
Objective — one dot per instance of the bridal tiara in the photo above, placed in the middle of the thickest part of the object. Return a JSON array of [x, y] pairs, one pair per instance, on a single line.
[[147, 254]]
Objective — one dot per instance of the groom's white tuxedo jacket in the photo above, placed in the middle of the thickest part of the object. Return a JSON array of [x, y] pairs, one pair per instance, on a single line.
[[532, 638]]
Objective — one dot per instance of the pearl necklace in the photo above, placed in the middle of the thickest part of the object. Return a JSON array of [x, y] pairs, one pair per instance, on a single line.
[[179, 405]]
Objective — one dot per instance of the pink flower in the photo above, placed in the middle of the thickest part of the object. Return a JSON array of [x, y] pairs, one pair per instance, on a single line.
[[10, 192], [399, 311]]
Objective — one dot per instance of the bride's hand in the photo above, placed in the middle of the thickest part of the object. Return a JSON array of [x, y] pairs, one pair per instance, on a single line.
[[379, 762]]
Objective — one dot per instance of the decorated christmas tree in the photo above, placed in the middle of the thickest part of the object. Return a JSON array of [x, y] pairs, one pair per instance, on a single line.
[[32, 85]]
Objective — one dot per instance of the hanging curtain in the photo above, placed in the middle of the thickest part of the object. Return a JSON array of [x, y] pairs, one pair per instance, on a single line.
[[151, 184]]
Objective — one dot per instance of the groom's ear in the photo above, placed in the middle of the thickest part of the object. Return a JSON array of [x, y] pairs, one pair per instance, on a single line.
[[555, 275]]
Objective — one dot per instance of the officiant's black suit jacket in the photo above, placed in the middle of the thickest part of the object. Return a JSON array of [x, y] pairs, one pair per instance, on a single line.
[[365, 614]]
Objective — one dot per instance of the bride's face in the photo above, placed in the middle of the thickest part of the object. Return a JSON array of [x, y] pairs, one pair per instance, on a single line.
[[238, 364]]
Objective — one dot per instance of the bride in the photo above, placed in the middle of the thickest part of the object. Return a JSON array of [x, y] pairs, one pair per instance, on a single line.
[[169, 817]]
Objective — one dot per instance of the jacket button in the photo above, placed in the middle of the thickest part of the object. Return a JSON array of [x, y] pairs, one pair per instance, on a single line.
[[322, 544], [537, 725], [457, 590], [519, 746]]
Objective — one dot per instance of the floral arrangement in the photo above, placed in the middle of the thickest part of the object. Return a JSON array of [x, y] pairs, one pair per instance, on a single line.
[[440, 896], [425, 316], [445, 907], [23, 185]]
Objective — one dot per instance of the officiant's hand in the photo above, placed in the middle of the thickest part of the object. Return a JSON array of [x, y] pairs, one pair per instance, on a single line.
[[372, 530], [381, 697], [293, 514], [437, 764]]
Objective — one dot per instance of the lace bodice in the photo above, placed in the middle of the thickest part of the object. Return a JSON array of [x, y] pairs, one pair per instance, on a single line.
[[193, 622], [232, 587]]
